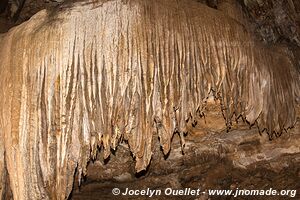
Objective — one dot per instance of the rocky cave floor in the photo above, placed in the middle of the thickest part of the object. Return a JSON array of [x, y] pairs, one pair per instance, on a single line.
[[213, 159]]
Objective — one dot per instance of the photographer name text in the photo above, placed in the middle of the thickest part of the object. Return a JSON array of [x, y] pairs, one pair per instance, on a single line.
[[168, 192]]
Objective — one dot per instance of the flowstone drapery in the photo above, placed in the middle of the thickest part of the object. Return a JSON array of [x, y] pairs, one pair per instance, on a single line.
[[90, 75]]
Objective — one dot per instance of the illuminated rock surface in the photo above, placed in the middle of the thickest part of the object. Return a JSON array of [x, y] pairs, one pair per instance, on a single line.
[[89, 76], [240, 159]]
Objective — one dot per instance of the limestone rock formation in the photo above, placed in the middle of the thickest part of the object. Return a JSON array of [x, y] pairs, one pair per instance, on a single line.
[[212, 159], [87, 76]]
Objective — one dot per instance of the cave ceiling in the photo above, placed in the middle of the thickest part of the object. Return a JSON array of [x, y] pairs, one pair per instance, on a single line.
[[274, 22]]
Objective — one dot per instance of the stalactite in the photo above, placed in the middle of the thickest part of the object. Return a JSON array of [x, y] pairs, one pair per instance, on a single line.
[[93, 75]]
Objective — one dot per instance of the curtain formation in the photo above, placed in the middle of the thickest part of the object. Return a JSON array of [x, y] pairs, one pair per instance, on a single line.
[[91, 75]]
